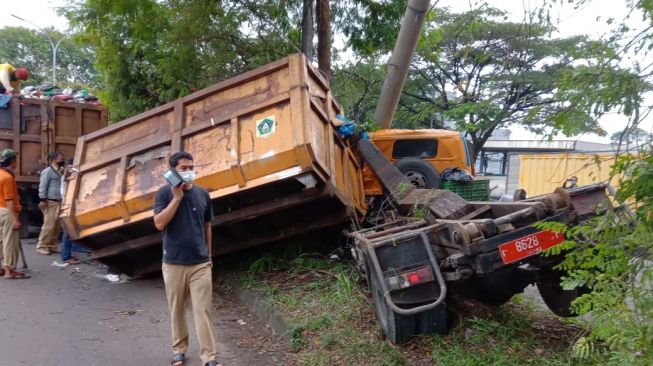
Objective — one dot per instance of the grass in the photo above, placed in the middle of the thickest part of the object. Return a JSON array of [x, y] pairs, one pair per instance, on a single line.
[[333, 321], [508, 337]]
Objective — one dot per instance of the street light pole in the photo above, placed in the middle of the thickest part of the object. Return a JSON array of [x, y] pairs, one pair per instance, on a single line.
[[52, 45]]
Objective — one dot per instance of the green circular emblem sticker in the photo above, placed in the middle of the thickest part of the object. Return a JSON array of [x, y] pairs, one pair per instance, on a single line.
[[266, 127]]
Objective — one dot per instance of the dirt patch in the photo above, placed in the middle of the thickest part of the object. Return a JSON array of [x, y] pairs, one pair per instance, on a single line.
[[251, 341]]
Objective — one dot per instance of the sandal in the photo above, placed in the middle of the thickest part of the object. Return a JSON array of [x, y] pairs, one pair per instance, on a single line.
[[213, 363], [17, 276], [178, 359], [73, 260]]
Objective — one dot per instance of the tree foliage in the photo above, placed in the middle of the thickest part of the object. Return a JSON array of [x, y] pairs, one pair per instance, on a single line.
[[28, 48], [612, 254], [631, 136], [150, 52], [476, 72]]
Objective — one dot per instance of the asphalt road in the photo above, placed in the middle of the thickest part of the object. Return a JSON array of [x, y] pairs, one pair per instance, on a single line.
[[75, 316]]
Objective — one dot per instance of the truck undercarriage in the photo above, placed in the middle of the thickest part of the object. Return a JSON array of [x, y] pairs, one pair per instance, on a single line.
[[488, 251]]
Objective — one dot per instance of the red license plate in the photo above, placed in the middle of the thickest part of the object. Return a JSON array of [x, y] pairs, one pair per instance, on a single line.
[[529, 245]]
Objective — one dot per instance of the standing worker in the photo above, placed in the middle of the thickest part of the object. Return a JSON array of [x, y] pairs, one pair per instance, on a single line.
[[10, 78], [50, 203], [184, 215], [9, 210], [66, 243]]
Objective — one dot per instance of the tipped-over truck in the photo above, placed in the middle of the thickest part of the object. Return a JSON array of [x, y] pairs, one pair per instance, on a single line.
[[267, 148], [433, 243]]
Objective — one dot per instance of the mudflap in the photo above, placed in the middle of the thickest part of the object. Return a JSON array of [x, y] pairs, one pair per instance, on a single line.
[[400, 329], [434, 321]]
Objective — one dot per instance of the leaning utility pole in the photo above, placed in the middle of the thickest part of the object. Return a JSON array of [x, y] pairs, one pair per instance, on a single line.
[[307, 29], [400, 61]]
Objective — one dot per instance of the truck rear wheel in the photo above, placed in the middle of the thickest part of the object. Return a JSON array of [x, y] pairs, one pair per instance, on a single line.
[[557, 299], [420, 173]]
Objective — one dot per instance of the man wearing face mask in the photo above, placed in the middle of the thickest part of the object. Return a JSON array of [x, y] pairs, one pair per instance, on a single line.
[[184, 215], [50, 203]]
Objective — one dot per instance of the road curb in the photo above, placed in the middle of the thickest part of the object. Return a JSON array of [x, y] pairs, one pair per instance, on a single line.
[[265, 312]]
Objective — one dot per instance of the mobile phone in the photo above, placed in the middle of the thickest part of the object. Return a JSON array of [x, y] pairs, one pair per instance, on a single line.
[[173, 178]]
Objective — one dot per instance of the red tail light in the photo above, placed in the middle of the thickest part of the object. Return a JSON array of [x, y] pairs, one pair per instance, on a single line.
[[410, 278], [419, 276]]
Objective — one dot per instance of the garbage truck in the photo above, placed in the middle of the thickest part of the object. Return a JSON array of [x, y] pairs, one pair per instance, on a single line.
[[267, 149], [35, 127]]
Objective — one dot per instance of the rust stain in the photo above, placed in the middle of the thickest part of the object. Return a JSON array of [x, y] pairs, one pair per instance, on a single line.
[[98, 189], [162, 152], [206, 148]]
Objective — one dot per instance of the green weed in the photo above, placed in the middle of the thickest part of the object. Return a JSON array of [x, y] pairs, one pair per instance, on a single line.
[[266, 263], [335, 324]]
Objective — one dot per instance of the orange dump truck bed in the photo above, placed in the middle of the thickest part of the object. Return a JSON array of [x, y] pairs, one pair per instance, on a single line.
[[265, 147], [36, 127]]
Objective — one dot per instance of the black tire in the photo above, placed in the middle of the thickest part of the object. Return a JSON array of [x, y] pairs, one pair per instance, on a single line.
[[419, 172], [555, 297], [398, 328]]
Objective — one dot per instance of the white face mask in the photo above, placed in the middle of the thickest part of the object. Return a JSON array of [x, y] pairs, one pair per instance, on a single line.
[[188, 176]]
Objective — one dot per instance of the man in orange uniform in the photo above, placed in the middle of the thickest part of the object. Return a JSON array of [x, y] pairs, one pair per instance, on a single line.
[[9, 209]]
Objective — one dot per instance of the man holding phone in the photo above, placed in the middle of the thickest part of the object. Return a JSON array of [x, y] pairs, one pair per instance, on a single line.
[[183, 212]]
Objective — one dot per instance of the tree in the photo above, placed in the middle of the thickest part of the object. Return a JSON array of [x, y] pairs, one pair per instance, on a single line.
[[477, 72], [612, 254], [324, 37], [630, 136], [25, 47], [150, 52], [356, 85]]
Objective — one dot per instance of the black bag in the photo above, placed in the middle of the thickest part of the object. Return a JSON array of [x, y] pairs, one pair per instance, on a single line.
[[455, 175]]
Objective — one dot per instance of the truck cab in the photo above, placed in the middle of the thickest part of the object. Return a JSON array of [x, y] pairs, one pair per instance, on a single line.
[[421, 155]]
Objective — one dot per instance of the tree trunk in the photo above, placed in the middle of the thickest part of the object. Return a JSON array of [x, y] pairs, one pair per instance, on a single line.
[[307, 29], [323, 15]]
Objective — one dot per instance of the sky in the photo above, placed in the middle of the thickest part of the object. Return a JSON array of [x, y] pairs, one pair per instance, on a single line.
[[588, 19], [40, 12]]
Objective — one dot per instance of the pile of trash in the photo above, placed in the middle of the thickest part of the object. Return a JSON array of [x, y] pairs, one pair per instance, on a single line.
[[52, 92], [456, 175]]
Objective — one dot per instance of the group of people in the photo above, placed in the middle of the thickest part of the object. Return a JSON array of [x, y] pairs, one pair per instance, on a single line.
[[51, 191], [183, 213]]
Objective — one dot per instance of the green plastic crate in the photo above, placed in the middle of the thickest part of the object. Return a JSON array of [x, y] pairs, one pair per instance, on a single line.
[[476, 190]]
